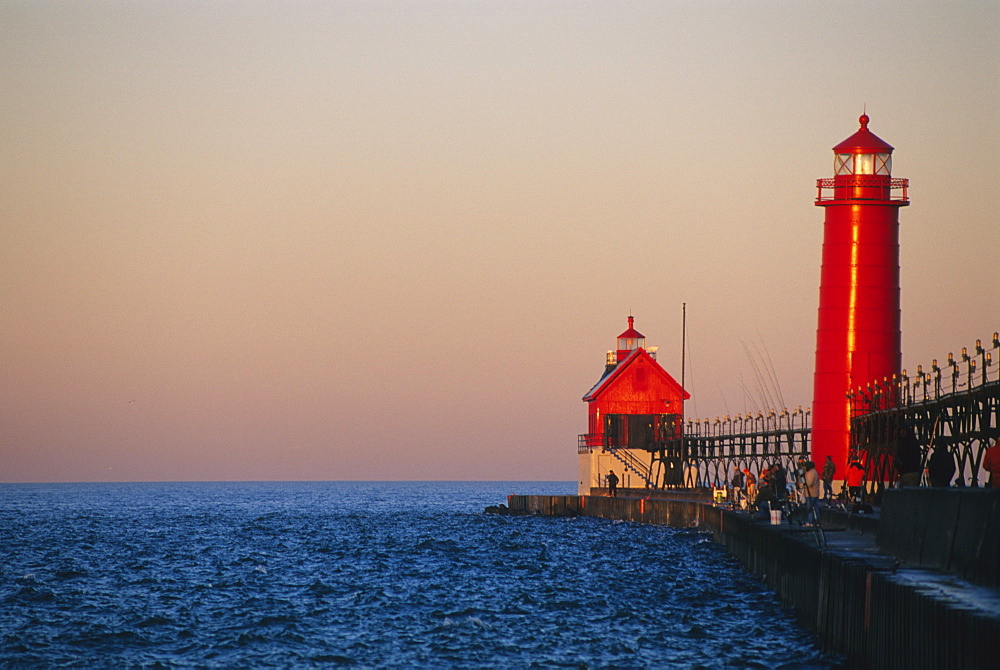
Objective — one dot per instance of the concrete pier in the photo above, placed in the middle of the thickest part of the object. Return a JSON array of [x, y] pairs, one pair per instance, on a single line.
[[915, 586]]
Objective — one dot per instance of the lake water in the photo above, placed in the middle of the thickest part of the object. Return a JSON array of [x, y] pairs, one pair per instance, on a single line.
[[366, 574]]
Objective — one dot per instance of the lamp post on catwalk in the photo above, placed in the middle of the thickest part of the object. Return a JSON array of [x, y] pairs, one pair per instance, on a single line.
[[858, 336]]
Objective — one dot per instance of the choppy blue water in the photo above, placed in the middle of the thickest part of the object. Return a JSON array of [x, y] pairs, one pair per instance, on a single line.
[[388, 574]]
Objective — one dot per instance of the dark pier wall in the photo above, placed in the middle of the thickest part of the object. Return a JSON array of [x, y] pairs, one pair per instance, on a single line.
[[677, 513], [877, 609], [949, 529]]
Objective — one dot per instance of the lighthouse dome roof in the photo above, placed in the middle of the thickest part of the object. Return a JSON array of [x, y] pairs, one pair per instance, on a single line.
[[863, 142], [631, 332]]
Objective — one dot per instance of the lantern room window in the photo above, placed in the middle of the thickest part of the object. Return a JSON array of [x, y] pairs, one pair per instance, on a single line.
[[883, 164], [862, 164], [843, 164], [630, 343]]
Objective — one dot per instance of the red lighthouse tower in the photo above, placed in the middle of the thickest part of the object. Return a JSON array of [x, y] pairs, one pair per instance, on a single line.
[[858, 336]]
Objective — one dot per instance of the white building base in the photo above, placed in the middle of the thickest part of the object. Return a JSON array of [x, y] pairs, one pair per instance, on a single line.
[[595, 465]]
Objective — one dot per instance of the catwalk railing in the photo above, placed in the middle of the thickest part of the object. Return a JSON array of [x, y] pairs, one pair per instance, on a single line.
[[704, 452], [750, 441], [861, 181], [954, 407]]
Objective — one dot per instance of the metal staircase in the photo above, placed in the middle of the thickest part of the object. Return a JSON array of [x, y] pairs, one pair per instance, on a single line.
[[631, 462]]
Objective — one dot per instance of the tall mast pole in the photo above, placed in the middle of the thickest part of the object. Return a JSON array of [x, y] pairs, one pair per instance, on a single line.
[[684, 306], [683, 453]]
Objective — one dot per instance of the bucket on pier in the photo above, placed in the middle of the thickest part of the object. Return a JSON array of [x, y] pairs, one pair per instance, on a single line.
[[776, 517]]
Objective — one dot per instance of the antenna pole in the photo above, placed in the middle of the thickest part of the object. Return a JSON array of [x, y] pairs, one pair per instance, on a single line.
[[683, 341], [683, 453]]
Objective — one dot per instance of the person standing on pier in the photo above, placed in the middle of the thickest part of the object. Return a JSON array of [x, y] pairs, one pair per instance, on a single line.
[[612, 484], [811, 491], [855, 480], [941, 467], [780, 482], [751, 486], [908, 457], [829, 470], [991, 463], [737, 483], [800, 473]]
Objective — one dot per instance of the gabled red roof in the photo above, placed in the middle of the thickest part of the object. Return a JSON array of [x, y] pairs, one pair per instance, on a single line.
[[608, 379]]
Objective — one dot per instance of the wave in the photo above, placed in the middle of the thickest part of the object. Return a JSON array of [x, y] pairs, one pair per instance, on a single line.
[[290, 575]]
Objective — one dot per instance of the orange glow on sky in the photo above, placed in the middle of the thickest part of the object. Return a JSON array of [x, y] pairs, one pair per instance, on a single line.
[[377, 240]]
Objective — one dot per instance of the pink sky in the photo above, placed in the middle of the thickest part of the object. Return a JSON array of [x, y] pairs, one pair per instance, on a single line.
[[359, 240]]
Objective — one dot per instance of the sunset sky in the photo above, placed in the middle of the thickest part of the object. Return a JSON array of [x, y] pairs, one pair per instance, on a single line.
[[389, 240]]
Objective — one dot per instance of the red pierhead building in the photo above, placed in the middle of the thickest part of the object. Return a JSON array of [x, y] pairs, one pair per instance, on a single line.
[[858, 337], [634, 403]]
